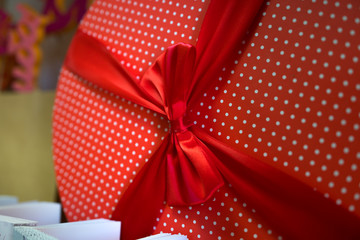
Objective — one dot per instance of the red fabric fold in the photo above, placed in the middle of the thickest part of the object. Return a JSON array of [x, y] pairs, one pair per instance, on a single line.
[[294, 209], [192, 177], [223, 28], [91, 60], [189, 166]]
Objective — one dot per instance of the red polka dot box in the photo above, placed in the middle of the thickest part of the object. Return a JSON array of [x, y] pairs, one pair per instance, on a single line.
[[213, 119]]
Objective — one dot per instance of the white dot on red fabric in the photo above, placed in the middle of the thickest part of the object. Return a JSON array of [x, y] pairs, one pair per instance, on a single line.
[[96, 182], [223, 217], [289, 98], [299, 98], [137, 26]]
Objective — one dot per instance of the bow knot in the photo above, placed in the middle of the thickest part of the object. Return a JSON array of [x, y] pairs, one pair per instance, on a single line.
[[180, 125]]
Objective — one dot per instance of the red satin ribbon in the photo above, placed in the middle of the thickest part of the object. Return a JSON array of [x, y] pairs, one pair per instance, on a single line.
[[190, 165]]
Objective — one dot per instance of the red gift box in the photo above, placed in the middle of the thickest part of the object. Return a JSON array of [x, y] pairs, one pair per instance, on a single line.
[[274, 107]]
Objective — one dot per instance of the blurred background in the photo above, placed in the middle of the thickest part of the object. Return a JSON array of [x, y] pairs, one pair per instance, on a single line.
[[34, 37]]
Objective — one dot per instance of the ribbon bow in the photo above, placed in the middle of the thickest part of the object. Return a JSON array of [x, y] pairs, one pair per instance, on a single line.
[[190, 165]]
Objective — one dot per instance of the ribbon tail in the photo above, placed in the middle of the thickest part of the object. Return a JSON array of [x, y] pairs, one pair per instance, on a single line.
[[141, 203], [295, 210]]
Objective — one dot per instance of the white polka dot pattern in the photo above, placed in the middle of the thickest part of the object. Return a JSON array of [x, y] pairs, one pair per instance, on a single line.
[[290, 98], [138, 32], [100, 142]]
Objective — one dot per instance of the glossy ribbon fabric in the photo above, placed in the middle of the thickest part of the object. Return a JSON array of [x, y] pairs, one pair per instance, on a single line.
[[190, 165]]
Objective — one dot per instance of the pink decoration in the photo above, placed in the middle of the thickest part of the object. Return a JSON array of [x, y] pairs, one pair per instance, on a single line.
[[23, 42]]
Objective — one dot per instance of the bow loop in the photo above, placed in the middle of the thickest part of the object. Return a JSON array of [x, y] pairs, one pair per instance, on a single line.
[[168, 80], [192, 178]]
